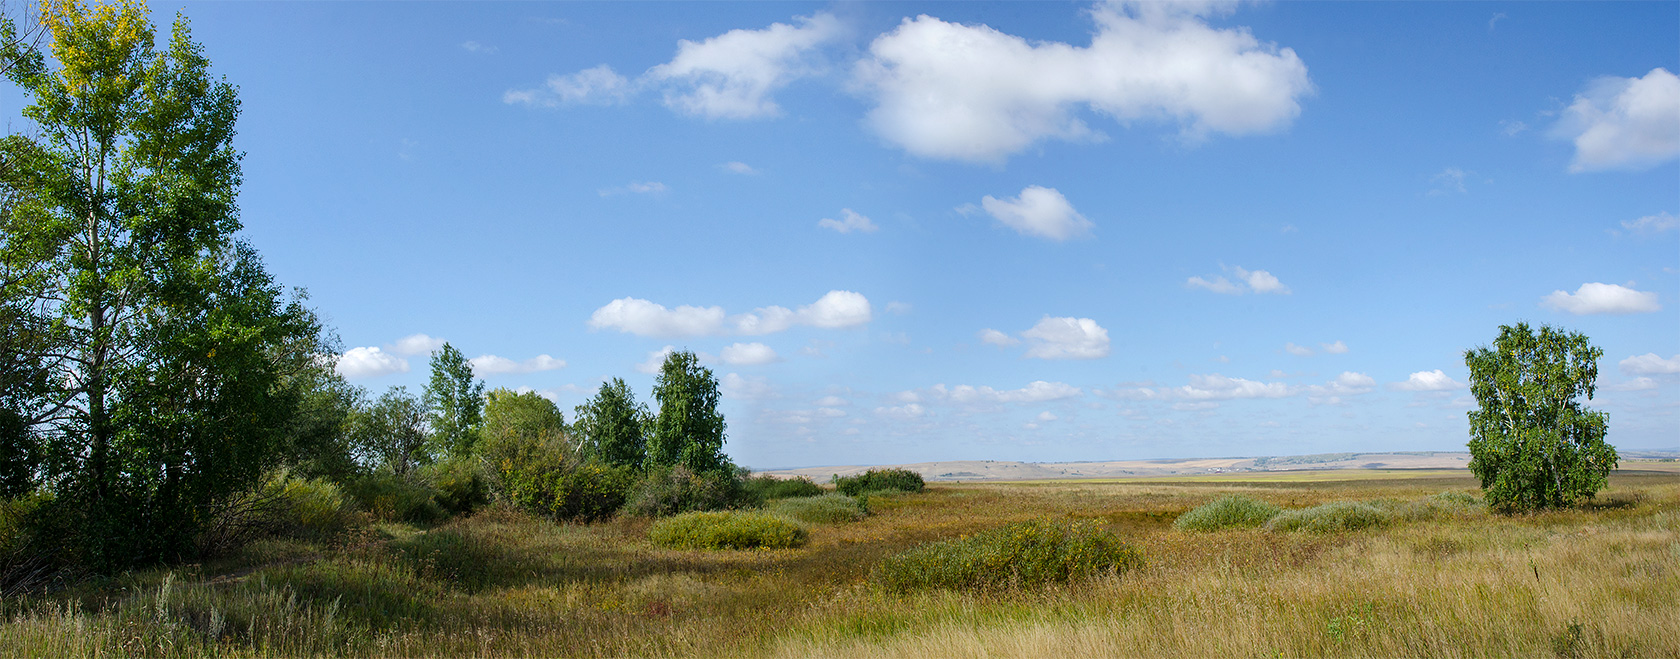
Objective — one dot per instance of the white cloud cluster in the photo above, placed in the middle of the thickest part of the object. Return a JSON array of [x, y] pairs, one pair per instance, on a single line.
[[1337, 348], [1348, 383], [1298, 351], [852, 222], [369, 362], [655, 360], [961, 92], [748, 354], [1066, 338], [735, 386], [836, 309], [1219, 387], [414, 344], [1624, 123], [1652, 224], [1038, 391], [1038, 211], [1596, 298], [1650, 363], [1436, 380], [597, 86], [996, 338], [1257, 281], [494, 365]]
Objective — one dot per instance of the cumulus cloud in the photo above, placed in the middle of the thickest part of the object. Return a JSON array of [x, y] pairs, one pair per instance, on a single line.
[[1298, 351], [1039, 211], [369, 362], [1348, 383], [1066, 338], [973, 93], [1217, 284], [1257, 281], [1336, 348], [1652, 224], [1435, 380], [851, 222], [834, 310], [1624, 123], [597, 86], [414, 344], [1650, 363], [1046, 416], [996, 338], [1219, 387], [494, 365], [907, 411], [1596, 298], [748, 354], [1636, 384], [732, 75], [733, 385], [655, 360], [1037, 392]]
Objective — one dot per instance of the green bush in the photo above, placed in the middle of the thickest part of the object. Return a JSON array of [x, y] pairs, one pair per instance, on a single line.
[[880, 479], [1334, 516], [309, 509], [1025, 554], [390, 497], [665, 491], [727, 530], [460, 484], [831, 508], [1232, 511], [765, 487]]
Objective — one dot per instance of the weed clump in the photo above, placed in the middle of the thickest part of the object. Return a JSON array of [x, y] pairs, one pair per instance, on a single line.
[[668, 491], [902, 480], [765, 487], [727, 530], [1025, 554], [1228, 512], [1334, 516], [831, 508]]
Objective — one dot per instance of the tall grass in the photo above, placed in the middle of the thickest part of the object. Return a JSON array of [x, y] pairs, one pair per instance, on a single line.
[[1025, 554], [831, 508], [727, 530], [1232, 511]]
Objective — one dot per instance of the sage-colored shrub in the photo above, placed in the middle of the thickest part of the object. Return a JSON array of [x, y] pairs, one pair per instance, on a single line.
[[1027, 554], [765, 487], [1330, 517], [880, 479], [831, 508], [731, 529], [1232, 511]]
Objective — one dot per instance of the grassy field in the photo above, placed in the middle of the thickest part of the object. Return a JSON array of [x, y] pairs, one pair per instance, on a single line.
[[1596, 581]]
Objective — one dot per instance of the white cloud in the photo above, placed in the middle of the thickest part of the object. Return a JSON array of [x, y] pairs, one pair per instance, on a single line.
[[748, 354], [1624, 123], [597, 86], [1046, 416], [906, 411], [1650, 364], [1348, 383], [833, 401], [1336, 348], [853, 222], [996, 338], [655, 360], [746, 388], [1636, 384], [493, 365], [369, 362], [1652, 223], [732, 75], [478, 48], [1298, 351], [1436, 380], [834, 310], [414, 344], [1219, 387], [1450, 179], [635, 187], [961, 92], [1596, 298], [739, 168], [1257, 281], [1038, 211], [1260, 281], [1066, 338], [900, 308], [1219, 285]]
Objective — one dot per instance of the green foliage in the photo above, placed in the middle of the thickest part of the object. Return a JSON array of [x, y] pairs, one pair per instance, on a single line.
[[612, 426], [831, 508], [727, 530], [527, 416], [1330, 517], [1533, 443], [534, 469], [902, 480], [321, 433], [1025, 554], [387, 496], [392, 435], [460, 484], [673, 490], [765, 487], [689, 428], [455, 402], [1232, 511]]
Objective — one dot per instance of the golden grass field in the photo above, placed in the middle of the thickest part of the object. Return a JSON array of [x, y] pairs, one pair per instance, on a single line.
[[1596, 581]]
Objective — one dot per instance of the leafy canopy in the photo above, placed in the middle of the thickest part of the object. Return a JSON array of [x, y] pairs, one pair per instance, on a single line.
[[611, 425], [689, 429], [456, 401]]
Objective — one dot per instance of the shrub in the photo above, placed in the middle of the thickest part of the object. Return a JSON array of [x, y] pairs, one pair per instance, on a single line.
[[665, 491], [880, 479], [309, 509], [587, 492], [727, 530], [1335, 516], [390, 497], [765, 487], [1026, 554], [831, 508], [1232, 511], [460, 484]]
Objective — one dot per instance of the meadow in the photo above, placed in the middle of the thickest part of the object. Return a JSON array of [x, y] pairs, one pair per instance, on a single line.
[[1598, 580]]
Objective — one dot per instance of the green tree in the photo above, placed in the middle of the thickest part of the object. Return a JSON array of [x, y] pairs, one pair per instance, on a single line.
[[509, 413], [154, 348], [611, 426], [689, 428], [1533, 443], [456, 401], [392, 434]]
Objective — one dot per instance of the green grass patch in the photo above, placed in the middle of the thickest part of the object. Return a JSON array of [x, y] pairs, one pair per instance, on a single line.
[[728, 530], [901, 480], [1025, 554], [1228, 512], [831, 508], [765, 487], [1329, 517]]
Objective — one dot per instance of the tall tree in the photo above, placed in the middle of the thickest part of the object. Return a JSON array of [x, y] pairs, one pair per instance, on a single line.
[[689, 428], [456, 401], [1533, 443], [527, 415], [612, 426], [392, 433]]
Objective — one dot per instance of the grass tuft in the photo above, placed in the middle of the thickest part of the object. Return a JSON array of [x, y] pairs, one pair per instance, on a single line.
[[728, 530], [1026, 554], [831, 508], [1329, 517], [1228, 512]]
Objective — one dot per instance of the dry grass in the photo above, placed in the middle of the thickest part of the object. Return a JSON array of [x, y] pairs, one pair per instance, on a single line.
[[1589, 582]]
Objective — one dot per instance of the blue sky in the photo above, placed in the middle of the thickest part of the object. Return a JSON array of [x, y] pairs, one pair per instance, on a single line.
[[1015, 231]]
